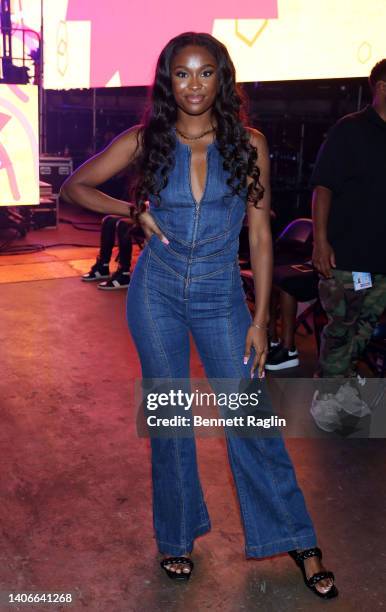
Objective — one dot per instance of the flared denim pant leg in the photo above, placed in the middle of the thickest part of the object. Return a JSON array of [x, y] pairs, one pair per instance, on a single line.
[[155, 315], [273, 510], [160, 314]]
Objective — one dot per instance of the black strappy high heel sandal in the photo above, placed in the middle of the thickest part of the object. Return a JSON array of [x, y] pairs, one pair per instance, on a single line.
[[181, 576], [300, 557]]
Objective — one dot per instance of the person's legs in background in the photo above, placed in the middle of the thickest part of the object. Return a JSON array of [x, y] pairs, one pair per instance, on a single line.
[[274, 339], [100, 269], [373, 305], [125, 246], [120, 279], [352, 317], [288, 307], [283, 353], [342, 305]]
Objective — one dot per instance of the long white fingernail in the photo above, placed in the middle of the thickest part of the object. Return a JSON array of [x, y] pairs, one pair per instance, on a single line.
[[245, 360]]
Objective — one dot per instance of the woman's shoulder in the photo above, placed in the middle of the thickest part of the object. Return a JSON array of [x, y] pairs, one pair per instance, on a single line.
[[256, 138], [131, 136], [128, 143]]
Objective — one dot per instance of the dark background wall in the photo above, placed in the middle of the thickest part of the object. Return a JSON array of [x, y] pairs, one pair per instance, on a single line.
[[294, 115]]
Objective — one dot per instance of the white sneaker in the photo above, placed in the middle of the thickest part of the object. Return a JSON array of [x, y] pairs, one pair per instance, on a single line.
[[326, 411], [361, 380], [350, 401], [280, 358]]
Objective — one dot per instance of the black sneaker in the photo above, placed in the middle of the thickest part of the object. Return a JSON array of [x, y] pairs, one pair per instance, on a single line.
[[281, 358], [274, 345], [118, 280], [99, 270]]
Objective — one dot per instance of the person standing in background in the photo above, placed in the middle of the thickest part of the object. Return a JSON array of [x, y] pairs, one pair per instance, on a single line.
[[349, 217]]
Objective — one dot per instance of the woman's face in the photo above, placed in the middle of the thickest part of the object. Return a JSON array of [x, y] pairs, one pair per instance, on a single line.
[[194, 79]]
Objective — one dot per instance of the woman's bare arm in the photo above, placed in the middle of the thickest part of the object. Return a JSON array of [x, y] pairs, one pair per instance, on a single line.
[[260, 246], [80, 187], [260, 238]]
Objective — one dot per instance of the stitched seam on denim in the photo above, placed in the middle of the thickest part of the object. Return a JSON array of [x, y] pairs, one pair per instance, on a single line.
[[203, 510], [266, 460], [199, 242], [174, 253], [167, 233], [165, 264], [229, 326], [180, 487], [228, 265], [230, 210], [210, 257], [206, 524], [283, 540], [184, 242], [242, 496], [219, 235], [155, 331], [206, 257]]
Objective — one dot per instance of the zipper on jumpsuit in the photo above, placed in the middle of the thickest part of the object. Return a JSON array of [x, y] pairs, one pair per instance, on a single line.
[[196, 212], [196, 215]]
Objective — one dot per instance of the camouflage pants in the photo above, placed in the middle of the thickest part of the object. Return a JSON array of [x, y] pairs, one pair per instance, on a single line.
[[352, 316]]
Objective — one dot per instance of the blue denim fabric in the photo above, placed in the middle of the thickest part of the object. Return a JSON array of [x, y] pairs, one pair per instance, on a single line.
[[193, 284]]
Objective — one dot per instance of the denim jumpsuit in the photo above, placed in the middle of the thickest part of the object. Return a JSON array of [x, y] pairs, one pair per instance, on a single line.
[[194, 285]]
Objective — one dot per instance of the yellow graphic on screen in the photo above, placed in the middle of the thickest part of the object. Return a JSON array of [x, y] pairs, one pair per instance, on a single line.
[[19, 145], [307, 40], [259, 29]]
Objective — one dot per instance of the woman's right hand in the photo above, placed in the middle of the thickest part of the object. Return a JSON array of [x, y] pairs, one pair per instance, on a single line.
[[149, 226]]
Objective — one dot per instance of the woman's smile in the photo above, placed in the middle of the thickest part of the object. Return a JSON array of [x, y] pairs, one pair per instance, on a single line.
[[195, 98]]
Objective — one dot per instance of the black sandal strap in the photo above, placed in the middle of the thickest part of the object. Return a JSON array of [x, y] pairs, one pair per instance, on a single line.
[[174, 560], [307, 554], [318, 577]]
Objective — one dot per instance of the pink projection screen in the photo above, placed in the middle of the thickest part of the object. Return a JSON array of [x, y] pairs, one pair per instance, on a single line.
[[93, 43], [19, 145]]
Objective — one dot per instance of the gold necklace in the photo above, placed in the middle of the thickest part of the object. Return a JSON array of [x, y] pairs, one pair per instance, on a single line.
[[195, 137]]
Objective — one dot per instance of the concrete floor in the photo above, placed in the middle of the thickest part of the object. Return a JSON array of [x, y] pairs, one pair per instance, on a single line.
[[75, 511]]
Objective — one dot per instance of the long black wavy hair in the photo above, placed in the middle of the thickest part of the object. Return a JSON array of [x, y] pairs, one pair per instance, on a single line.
[[157, 138]]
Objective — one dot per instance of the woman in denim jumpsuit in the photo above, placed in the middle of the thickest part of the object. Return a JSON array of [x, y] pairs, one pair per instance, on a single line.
[[187, 279], [193, 284]]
